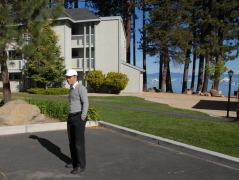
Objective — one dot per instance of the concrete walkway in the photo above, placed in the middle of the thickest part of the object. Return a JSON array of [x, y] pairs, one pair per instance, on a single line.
[[214, 106], [110, 156]]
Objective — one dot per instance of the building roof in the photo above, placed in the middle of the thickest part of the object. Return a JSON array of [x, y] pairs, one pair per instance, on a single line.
[[132, 66], [78, 15]]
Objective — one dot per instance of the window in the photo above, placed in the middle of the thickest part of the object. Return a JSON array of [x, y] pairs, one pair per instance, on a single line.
[[14, 76], [14, 55]]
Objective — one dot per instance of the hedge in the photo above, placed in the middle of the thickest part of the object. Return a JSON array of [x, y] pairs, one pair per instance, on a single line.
[[49, 91], [59, 109]]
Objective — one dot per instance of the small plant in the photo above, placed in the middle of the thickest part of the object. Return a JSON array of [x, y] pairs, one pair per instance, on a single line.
[[92, 114]]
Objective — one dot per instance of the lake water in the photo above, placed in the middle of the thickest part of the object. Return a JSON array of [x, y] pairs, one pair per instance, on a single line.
[[177, 80]]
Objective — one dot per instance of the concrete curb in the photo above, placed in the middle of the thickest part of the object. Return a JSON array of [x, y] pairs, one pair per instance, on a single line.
[[28, 128], [158, 139]]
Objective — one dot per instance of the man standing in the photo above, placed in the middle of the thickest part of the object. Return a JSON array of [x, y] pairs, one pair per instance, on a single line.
[[78, 108]]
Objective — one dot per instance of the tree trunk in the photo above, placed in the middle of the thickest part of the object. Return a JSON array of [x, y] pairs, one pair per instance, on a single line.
[[144, 53], [75, 3], [160, 72], [219, 64], [169, 87], [193, 68], [217, 73], [165, 69], [164, 77], [5, 77], [200, 73], [128, 29], [134, 36], [185, 72], [206, 73]]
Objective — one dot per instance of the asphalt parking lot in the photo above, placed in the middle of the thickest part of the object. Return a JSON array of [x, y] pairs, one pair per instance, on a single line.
[[111, 155]]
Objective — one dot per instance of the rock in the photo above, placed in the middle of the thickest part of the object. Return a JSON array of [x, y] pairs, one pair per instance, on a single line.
[[215, 93], [189, 92], [207, 94], [200, 93], [18, 112], [39, 119], [151, 90]]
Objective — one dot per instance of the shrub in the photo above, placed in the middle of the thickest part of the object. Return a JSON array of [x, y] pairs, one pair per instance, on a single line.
[[95, 80], [49, 91], [115, 82], [59, 109], [54, 109]]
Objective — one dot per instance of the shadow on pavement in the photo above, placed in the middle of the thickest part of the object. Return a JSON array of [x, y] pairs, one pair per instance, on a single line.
[[215, 105], [54, 149]]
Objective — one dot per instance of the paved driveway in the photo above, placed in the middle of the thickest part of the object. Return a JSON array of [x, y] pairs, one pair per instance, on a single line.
[[110, 156]]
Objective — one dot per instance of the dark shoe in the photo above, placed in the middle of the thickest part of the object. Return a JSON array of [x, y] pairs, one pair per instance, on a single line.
[[75, 171], [68, 166], [82, 170]]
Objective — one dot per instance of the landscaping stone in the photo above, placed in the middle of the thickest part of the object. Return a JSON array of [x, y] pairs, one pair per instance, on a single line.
[[19, 112], [189, 91], [214, 93]]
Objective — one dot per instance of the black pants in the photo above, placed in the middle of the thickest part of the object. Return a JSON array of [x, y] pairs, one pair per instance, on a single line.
[[76, 135]]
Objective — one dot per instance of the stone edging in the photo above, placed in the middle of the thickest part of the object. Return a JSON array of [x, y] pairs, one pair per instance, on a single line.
[[28, 128]]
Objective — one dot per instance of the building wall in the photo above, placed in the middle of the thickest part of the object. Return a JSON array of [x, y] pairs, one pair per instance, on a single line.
[[63, 32], [135, 76], [14, 85], [106, 46], [122, 42]]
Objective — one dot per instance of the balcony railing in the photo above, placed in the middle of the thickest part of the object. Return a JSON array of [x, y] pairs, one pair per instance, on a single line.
[[78, 40], [79, 63]]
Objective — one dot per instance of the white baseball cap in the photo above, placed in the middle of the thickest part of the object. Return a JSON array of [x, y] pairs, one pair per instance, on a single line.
[[71, 72]]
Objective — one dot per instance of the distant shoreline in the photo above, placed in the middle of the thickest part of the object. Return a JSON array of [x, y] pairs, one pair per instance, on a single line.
[[177, 78]]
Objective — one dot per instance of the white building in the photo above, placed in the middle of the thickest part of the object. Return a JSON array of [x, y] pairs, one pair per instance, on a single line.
[[89, 43]]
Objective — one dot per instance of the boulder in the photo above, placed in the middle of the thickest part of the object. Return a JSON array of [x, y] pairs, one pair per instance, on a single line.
[[214, 93], [200, 93], [19, 112], [189, 92], [207, 94]]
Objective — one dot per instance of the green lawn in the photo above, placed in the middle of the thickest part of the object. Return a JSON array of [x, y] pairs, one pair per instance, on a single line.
[[185, 126]]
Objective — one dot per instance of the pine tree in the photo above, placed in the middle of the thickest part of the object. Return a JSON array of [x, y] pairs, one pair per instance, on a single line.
[[166, 35], [185, 72], [226, 31], [217, 23], [45, 66], [17, 18]]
